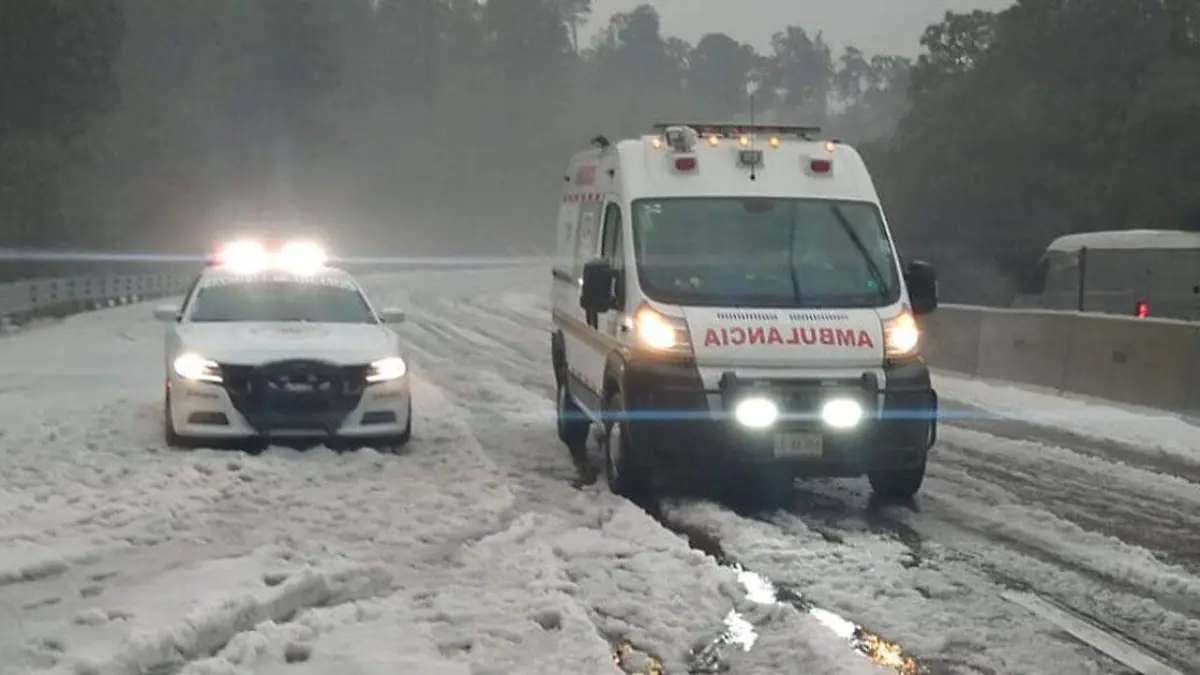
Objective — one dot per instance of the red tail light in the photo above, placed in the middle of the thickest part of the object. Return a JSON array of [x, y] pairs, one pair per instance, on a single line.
[[820, 165], [685, 163], [1142, 310]]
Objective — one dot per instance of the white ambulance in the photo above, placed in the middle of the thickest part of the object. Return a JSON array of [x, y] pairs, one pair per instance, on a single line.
[[728, 305]]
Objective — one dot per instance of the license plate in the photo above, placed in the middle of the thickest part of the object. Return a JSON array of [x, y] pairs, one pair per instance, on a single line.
[[799, 445]]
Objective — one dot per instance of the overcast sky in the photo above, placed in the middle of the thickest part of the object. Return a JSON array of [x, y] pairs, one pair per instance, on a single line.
[[875, 26]]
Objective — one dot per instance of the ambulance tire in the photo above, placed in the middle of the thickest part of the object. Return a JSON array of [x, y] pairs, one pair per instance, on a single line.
[[899, 485], [627, 475]]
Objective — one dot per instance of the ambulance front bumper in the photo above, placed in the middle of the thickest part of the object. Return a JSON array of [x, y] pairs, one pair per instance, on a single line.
[[202, 410], [816, 426]]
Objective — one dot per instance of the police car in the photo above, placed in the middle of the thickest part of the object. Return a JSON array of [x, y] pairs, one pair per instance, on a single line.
[[281, 348], [729, 305]]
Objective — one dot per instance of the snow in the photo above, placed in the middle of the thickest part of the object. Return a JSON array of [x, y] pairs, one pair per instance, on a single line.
[[472, 552], [483, 550], [1154, 432]]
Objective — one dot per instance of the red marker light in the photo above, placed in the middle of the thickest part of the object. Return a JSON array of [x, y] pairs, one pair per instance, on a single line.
[[1143, 309], [685, 163], [820, 165]]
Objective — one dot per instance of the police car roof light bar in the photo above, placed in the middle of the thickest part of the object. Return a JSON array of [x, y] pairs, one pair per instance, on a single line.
[[731, 129]]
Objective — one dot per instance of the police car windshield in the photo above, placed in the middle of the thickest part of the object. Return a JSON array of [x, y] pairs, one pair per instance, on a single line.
[[764, 252], [308, 301]]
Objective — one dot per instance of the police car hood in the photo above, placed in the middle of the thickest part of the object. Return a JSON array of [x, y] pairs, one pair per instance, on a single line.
[[251, 343], [821, 338]]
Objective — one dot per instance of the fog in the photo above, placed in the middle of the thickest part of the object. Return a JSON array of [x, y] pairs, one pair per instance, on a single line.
[[419, 126], [875, 26], [412, 127]]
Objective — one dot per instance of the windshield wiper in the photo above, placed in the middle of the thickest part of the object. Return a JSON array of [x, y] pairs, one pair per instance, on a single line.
[[871, 266]]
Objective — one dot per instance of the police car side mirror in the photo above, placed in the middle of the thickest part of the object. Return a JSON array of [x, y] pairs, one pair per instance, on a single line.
[[921, 279], [166, 313], [393, 315], [598, 294]]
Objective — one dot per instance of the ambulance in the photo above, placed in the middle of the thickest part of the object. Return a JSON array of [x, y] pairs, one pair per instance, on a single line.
[[730, 312]]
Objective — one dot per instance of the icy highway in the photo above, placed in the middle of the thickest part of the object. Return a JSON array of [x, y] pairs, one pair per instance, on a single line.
[[1051, 537]]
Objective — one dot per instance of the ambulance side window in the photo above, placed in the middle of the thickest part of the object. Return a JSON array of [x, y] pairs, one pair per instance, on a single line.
[[586, 235], [613, 250]]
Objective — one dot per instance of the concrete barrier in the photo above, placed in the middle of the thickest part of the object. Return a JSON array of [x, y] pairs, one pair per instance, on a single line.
[[1146, 362]]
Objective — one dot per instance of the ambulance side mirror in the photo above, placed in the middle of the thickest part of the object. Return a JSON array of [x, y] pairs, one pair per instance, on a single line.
[[599, 291], [921, 279]]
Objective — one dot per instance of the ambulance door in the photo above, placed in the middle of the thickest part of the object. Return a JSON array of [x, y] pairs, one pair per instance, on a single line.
[[581, 340], [612, 250]]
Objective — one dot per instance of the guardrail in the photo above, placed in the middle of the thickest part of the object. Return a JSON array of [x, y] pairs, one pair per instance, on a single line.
[[59, 296], [1147, 362], [22, 300]]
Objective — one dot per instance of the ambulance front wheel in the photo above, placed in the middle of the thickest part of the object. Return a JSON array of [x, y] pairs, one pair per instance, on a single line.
[[573, 425], [627, 476], [898, 484]]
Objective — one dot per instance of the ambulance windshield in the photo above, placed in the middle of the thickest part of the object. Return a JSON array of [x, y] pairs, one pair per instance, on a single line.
[[707, 251]]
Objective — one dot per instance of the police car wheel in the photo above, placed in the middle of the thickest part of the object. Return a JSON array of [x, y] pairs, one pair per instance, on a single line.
[[626, 476], [397, 444], [897, 485], [170, 438], [573, 425], [406, 436]]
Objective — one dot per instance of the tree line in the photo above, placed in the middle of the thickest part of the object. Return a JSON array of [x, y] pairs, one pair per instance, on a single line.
[[441, 126]]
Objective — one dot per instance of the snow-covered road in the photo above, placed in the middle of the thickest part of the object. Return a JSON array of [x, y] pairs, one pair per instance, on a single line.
[[484, 549]]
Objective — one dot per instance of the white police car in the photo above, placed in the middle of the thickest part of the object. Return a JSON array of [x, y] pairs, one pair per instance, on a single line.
[[282, 349]]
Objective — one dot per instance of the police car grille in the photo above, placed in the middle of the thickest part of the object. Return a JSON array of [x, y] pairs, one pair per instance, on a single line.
[[295, 394]]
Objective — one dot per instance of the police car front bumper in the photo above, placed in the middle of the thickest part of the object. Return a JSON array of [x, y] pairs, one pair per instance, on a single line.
[[203, 410], [674, 416]]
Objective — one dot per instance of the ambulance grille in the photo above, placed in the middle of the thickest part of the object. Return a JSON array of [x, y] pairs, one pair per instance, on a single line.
[[794, 316], [819, 316], [748, 316]]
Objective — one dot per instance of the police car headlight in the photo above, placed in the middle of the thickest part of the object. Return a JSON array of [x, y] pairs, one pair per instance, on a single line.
[[756, 412], [660, 333], [385, 370], [197, 368], [901, 336]]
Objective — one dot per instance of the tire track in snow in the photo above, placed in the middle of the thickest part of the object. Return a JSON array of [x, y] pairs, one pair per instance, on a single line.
[[964, 521], [1165, 525], [972, 418]]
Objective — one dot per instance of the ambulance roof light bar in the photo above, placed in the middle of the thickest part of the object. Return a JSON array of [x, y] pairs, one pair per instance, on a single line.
[[731, 130]]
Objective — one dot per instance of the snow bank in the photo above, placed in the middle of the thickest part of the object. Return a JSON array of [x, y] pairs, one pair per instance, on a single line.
[[1155, 431]]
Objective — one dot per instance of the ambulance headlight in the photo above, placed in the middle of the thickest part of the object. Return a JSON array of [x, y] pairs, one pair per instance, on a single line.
[[901, 336], [386, 370], [756, 412], [301, 257], [197, 368], [842, 413], [660, 333]]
